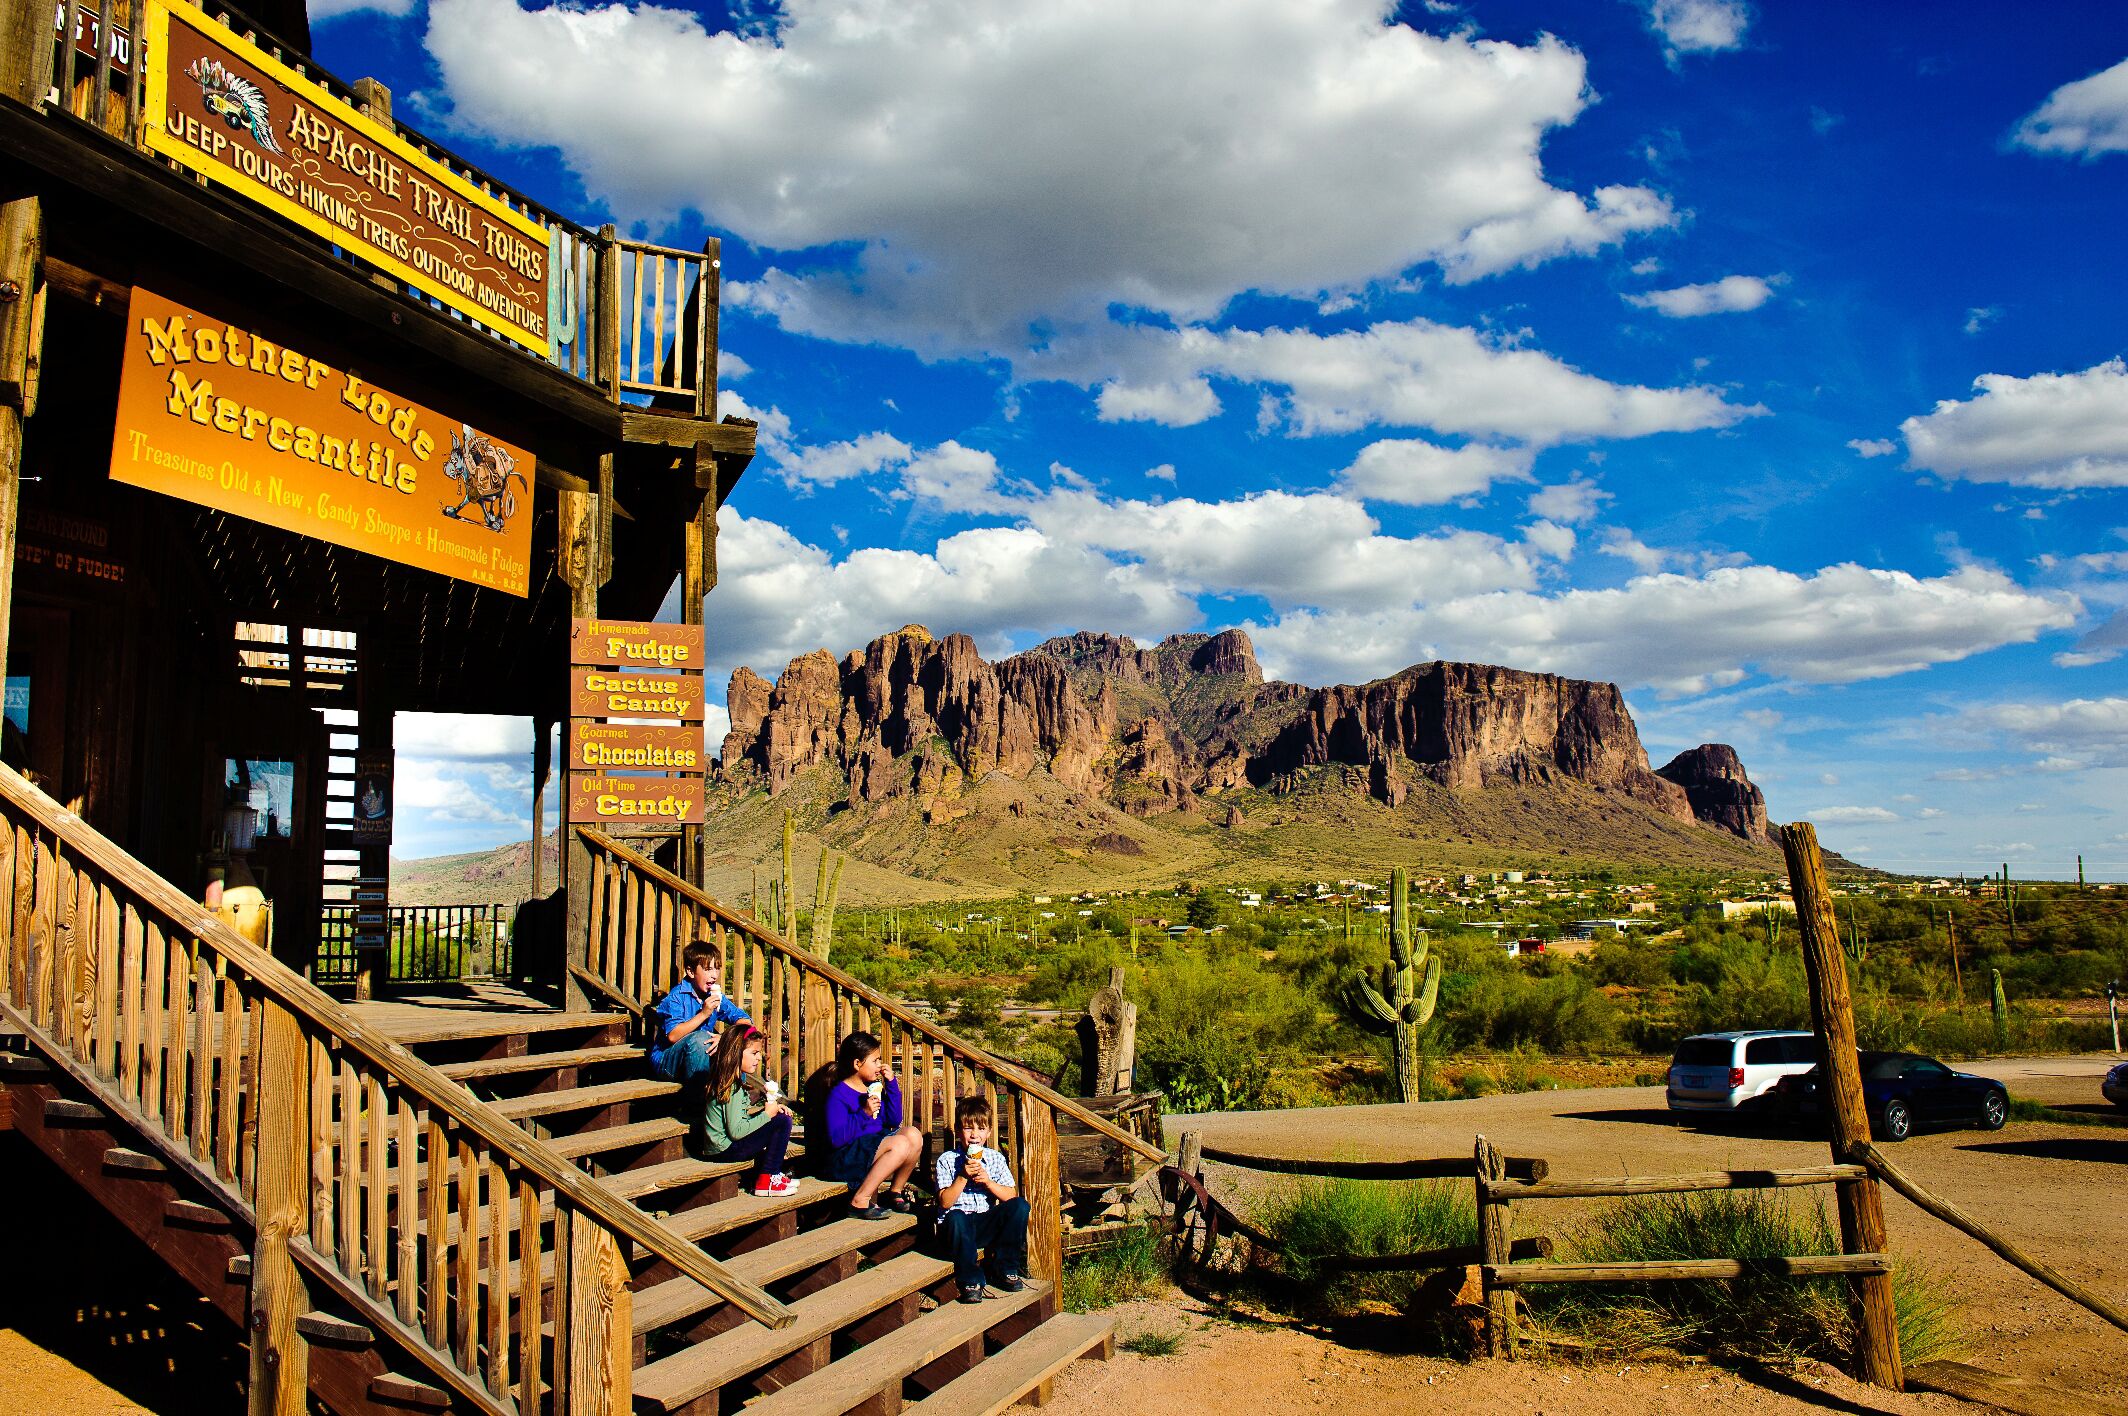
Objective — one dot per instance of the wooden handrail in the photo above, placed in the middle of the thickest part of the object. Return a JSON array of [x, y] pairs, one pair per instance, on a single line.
[[982, 1057], [1679, 1184], [1519, 1167], [403, 1068]]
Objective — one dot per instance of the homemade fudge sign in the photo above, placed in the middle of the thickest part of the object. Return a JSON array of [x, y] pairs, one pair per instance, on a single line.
[[629, 669], [214, 413], [216, 103]]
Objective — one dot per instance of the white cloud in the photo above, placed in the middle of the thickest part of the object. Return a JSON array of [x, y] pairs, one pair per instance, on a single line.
[[960, 478], [1418, 374], [1850, 815], [1617, 541], [464, 737], [2049, 430], [1165, 472], [2087, 118], [1176, 405], [1873, 447], [836, 462], [1574, 501], [1549, 538], [1680, 633], [997, 169], [2090, 730], [1414, 472], [323, 10], [1698, 26], [436, 791], [1980, 317], [1729, 295]]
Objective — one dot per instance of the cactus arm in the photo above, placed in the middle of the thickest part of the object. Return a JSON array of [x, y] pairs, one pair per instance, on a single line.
[[1370, 1009], [1419, 1011]]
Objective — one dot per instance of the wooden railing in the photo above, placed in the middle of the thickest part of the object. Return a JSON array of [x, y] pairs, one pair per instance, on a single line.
[[365, 1173], [629, 317], [641, 916], [428, 943]]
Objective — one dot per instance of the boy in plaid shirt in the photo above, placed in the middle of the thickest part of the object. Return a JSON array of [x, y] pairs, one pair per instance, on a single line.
[[979, 1206]]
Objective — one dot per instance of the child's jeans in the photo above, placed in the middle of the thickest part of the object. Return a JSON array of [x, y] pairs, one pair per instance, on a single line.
[[765, 1147], [1002, 1229], [689, 1059]]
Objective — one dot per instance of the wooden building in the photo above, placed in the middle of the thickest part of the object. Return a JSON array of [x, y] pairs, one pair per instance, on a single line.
[[305, 421]]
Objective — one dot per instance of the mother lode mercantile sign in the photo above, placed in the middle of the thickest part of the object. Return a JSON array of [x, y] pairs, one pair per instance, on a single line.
[[212, 412]]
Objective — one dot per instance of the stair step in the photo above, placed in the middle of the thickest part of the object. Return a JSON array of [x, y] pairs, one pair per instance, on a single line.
[[672, 1382], [719, 1218], [540, 1062], [678, 1299], [60, 1109], [998, 1382], [407, 1391], [880, 1365], [514, 1211], [140, 1162], [327, 1328], [672, 1174], [21, 1065], [239, 1266], [525, 1108], [193, 1215], [610, 1138]]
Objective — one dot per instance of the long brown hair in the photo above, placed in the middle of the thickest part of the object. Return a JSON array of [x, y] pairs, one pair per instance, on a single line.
[[731, 1052]]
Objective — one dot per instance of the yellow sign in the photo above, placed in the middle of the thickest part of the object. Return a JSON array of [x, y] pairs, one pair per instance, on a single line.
[[218, 104], [213, 413]]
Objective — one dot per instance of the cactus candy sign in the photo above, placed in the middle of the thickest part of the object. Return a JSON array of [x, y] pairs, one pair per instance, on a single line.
[[213, 412]]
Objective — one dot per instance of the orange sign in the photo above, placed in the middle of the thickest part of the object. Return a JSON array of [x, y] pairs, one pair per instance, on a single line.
[[212, 413], [634, 644], [618, 693], [634, 747], [653, 801]]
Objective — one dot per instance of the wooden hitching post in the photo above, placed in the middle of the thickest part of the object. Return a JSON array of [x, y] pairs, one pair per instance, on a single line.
[[280, 1367], [1495, 1248], [1833, 1018]]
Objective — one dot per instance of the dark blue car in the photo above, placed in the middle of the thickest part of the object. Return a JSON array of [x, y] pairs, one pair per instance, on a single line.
[[1904, 1090]]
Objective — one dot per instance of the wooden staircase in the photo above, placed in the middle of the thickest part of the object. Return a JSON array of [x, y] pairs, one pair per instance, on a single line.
[[496, 1216]]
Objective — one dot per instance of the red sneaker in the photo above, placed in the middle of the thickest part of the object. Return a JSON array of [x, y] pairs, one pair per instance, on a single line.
[[776, 1185]]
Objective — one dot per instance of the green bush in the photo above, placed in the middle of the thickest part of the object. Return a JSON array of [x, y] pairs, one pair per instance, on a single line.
[[1130, 1268], [1316, 1220]]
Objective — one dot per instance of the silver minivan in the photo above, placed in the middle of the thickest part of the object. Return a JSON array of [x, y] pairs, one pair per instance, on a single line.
[[1726, 1071]]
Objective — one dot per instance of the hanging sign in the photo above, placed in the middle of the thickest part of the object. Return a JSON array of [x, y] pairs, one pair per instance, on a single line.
[[212, 413], [619, 693], [634, 747], [633, 644], [220, 106], [643, 801], [373, 801]]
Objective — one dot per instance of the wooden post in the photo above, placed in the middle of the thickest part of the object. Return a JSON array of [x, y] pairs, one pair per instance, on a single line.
[[585, 556], [1190, 1158], [542, 769], [600, 1352], [1495, 1249], [280, 1366], [698, 576], [1833, 1018], [1042, 1187], [21, 335]]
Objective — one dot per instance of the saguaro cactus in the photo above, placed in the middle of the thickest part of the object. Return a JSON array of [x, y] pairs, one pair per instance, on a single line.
[[825, 890], [1999, 1005], [1411, 982]]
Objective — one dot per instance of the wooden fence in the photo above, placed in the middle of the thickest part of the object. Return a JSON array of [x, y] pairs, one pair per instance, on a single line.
[[362, 1171], [428, 943], [640, 916]]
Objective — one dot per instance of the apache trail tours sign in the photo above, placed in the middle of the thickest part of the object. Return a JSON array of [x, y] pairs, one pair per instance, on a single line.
[[221, 106], [626, 669], [212, 413]]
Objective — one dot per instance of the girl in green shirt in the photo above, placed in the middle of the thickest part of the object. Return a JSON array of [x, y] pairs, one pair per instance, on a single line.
[[738, 1120]]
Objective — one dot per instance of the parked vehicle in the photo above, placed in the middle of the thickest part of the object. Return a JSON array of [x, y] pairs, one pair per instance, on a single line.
[[1903, 1090], [2116, 1084], [1728, 1071]]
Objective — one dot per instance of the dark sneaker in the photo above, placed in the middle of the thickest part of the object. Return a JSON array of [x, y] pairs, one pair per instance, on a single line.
[[903, 1200], [1011, 1282], [971, 1293], [875, 1210]]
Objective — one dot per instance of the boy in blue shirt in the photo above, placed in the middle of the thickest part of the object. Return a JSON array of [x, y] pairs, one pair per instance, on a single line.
[[979, 1206], [683, 1031]]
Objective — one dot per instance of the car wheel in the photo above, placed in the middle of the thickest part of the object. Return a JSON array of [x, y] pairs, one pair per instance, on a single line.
[[1994, 1110], [1897, 1121]]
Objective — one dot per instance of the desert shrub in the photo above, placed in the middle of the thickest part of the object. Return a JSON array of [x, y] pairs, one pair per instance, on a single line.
[[1068, 975], [1316, 1220], [1133, 1266], [1506, 1010], [1758, 1317], [1210, 1032]]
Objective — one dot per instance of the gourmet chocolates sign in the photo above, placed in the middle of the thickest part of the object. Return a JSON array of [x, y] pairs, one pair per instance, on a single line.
[[219, 105]]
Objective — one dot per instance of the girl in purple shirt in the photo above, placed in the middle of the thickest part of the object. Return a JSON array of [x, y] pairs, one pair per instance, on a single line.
[[874, 1151]]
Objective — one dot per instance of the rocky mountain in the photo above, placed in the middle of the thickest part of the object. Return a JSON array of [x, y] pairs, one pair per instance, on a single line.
[[915, 721]]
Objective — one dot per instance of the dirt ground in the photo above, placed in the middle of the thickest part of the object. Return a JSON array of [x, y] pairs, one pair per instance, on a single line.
[[2054, 1190], [115, 1333]]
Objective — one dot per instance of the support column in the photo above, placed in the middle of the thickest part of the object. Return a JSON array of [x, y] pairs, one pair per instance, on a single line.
[[542, 769], [280, 1364], [586, 560], [1832, 1014], [21, 340], [373, 746], [698, 576]]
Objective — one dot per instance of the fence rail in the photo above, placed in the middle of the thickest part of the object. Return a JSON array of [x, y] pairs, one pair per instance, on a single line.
[[640, 917], [361, 1169], [426, 943]]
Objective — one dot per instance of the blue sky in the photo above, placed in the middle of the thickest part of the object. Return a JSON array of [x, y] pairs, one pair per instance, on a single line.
[[1765, 360]]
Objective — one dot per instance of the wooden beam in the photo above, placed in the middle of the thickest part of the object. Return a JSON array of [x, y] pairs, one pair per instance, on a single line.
[[1862, 1231], [21, 340], [1685, 1270], [1519, 1167], [280, 1362], [1039, 1182], [601, 1348], [657, 429], [1683, 1184]]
